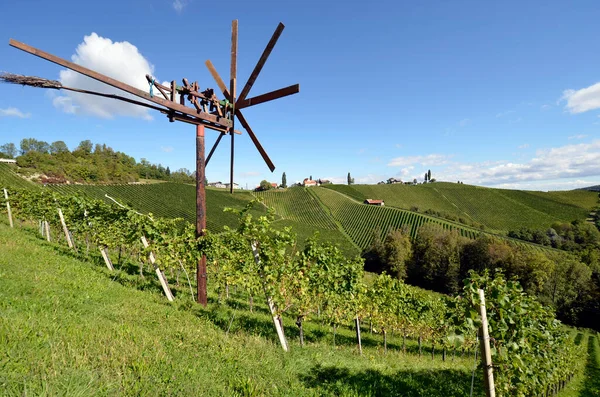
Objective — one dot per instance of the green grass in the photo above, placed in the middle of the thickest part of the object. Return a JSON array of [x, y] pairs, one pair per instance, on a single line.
[[9, 178], [68, 329], [500, 210], [592, 370]]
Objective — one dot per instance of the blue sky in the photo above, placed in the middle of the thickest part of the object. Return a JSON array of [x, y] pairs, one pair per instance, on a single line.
[[503, 94]]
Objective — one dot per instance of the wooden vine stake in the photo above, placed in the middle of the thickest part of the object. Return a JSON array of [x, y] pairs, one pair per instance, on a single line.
[[47, 228], [486, 354], [357, 323], [65, 229], [272, 307], [104, 252], [161, 276], [10, 220]]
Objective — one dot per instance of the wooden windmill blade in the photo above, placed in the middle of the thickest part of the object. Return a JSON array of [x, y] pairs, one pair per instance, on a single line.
[[261, 61]]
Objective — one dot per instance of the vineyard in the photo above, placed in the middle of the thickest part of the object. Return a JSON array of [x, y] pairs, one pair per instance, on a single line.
[[498, 209], [318, 283], [168, 200], [360, 220]]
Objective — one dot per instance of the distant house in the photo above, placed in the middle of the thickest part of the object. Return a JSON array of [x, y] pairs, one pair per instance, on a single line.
[[374, 202], [324, 181], [309, 182], [235, 186], [274, 185], [394, 180], [219, 185], [10, 161]]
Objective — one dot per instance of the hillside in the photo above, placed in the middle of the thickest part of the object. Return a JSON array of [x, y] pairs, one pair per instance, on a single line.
[[69, 329], [9, 178], [500, 210]]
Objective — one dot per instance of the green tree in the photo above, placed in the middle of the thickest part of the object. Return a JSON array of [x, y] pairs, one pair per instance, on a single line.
[[375, 253], [85, 147], [425, 178], [8, 150], [429, 175], [349, 179], [58, 147], [283, 181], [264, 185], [435, 263], [398, 251]]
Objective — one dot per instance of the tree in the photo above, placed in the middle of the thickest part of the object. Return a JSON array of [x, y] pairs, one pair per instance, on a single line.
[[32, 144], [398, 251], [425, 179], [415, 181], [264, 185], [375, 253], [349, 179], [8, 150], [168, 171], [283, 181], [58, 147], [85, 146], [429, 175], [435, 263], [310, 178]]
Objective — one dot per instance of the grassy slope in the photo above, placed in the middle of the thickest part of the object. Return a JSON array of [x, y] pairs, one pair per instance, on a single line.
[[497, 209], [68, 329], [8, 178]]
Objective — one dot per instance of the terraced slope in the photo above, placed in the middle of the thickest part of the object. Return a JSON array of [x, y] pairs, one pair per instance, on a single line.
[[305, 214], [171, 200], [360, 220], [297, 204], [8, 178], [498, 209]]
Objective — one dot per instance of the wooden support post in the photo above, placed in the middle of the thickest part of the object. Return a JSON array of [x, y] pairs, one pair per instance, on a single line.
[[159, 274], [65, 229], [104, 252], [357, 323], [47, 227], [486, 354], [200, 213], [272, 307], [10, 219]]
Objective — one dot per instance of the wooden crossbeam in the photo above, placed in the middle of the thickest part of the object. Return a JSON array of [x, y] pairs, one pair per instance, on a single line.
[[120, 85]]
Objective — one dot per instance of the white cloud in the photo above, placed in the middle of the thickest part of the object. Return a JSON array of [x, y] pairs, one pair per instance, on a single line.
[[179, 5], [464, 122], [166, 149], [524, 146], [581, 136], [502, 114], [554, 164], [517, 120], [545, 107], [119, 60], [430, 159], [579, 101], [14, 112]]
